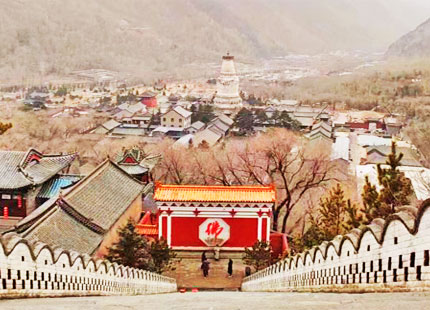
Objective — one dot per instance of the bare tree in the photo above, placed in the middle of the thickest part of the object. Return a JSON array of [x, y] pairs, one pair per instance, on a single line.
[[285, 160]]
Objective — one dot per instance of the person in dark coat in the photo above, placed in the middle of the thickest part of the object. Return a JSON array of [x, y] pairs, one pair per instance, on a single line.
[[205, 267], [204, 256], [230, 267]]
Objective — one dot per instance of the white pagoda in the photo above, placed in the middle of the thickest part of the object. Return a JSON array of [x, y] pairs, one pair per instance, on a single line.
[[227, 96]]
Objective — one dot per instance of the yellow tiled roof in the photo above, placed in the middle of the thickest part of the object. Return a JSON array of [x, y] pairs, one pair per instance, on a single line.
[[199, 193]]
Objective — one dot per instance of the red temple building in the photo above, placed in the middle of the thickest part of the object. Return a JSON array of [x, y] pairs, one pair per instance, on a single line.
[[149, 99], [196, 218]]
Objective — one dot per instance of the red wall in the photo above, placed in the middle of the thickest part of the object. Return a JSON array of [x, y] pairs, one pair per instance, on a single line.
[[264, 229], [150, 102], [185, 231], [164, 227]]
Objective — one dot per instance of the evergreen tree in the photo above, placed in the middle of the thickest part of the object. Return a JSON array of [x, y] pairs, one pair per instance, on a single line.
[[287, 122], [396, 190], [261, 117], [354, 217], [162, 256], [372, 205], [258, 256], [332, 210], [131, 249], [207, 113], [245, 120], [204, 113], [276, 118], [312, 237]]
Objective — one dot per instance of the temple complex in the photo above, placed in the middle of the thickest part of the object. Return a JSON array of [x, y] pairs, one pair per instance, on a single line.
[[227, 96], [86, 217]]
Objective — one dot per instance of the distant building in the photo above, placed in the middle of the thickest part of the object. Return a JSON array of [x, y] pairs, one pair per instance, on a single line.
[[106, 127], [36, 99], [138, 164], [176, 117], [227, 96], [149, 99], [195, 127], [321, 130], [392, 126], [23, 174]]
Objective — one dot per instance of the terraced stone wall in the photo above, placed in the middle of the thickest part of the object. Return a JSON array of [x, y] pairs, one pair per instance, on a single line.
[[31, 270], [391, 255]]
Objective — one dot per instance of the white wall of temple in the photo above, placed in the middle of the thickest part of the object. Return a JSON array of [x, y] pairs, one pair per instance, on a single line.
[[399, 261], [29, 271]]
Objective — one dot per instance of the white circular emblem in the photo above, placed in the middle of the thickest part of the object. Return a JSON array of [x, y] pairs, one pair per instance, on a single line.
[[214, 232]]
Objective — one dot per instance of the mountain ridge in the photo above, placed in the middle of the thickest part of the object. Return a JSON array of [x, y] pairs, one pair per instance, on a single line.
[[147, 38], [415, 43]]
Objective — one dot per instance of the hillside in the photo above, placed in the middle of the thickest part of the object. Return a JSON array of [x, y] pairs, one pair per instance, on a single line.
[[415, 43], [151, 38]]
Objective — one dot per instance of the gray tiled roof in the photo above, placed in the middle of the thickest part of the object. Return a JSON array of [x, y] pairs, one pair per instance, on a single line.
[[15, 172], [198, 125], [134, 169], [104, 195], [124, 131], [79, 220], [60, 229], [225, 119]]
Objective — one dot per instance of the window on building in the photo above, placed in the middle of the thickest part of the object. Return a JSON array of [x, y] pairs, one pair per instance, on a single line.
[[172, 119], [426, 258], [406, 274], [395, 240], [419, 273], [400, 262], [412, 259], [389, 263]]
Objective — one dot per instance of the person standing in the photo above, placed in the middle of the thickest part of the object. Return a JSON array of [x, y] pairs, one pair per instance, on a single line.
[[205, 267], [230, 268], [216, 252], [204, 256]]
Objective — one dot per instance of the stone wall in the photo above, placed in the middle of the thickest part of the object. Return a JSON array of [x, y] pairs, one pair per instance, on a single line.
[[390, 255], [32, 270]]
